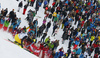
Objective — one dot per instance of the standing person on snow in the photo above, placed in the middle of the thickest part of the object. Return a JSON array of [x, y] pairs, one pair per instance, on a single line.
[[43, 37], [18, 22], [25, 8], [64, 36], [48, 26], [20, 5], [69, 52], [54, 28], [56, 31], [11, 15], [5, 12]]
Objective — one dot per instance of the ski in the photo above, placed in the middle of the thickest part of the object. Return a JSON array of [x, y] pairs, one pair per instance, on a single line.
[[14, 42]]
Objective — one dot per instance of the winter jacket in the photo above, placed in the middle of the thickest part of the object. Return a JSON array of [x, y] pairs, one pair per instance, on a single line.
[[53, 4], [78, 51], [32, 31], [54, 14], [66, 24], [58, 16], [65, 36], [39, 3], [46, 40], [69, 51], [33, 14], [76, 42], [81, 56], [55, 19], [52, 10], [2, 21], [96, 50], [44, 35], [44, 21], [11, 15], [83, 34], [5, 12], [48, 25], [92, 38], [25, 7], [61, 53], [51, 45], [96, 56], [50, 16], [20, 4], [14, 25], [55, 27], [56, 55], [45, 2], [99, 38], [18, 22], [35, 22], [6, 23], [91, 25]]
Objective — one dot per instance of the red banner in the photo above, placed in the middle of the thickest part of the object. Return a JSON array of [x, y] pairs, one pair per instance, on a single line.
[[35, 50]]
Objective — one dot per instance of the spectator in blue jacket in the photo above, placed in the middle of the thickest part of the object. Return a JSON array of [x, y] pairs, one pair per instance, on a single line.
[[66, 23], [56, 55], [82, 55], [33, 31], [91, 25], [60, 53], [45, 3], [18, 22], [2, 20], [77, 42], [14, 25], [79, 50], [39, 3]]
